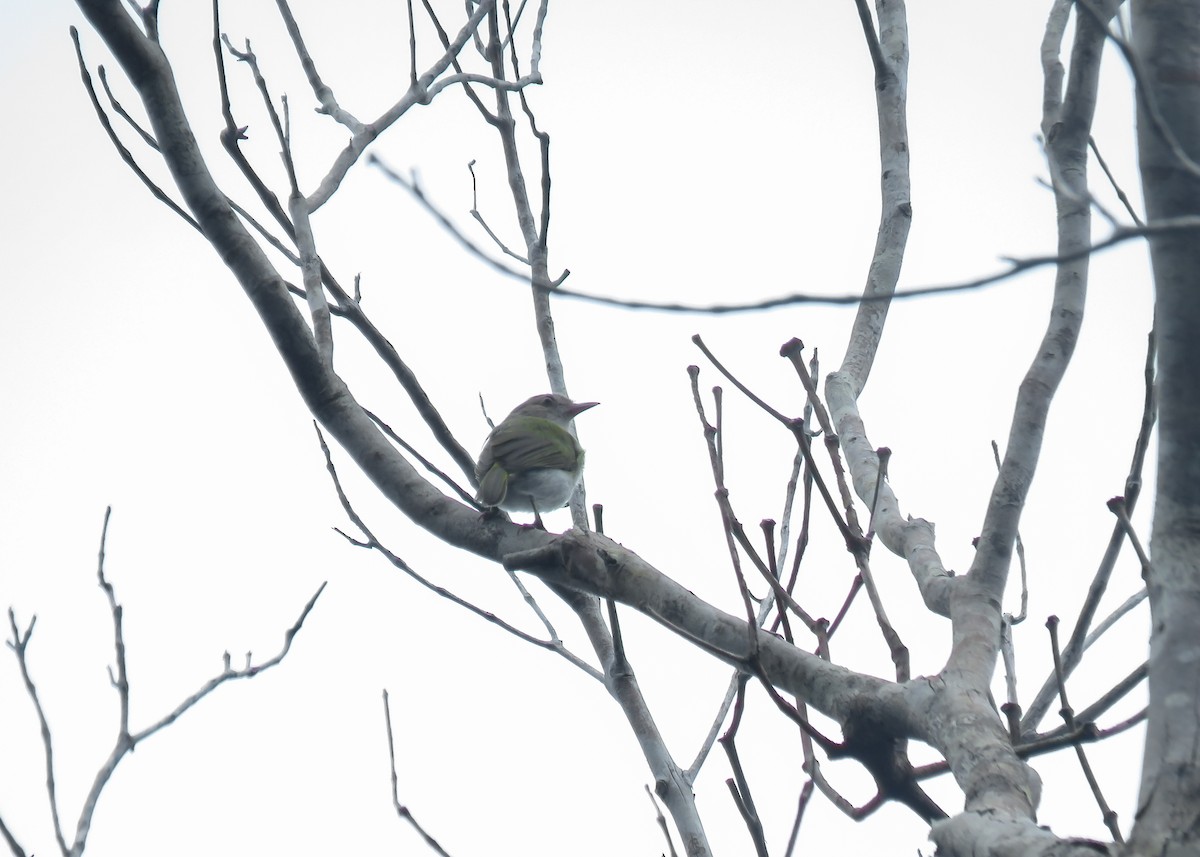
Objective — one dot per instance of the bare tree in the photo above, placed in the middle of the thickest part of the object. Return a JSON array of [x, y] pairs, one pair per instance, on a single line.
[[492, 53]]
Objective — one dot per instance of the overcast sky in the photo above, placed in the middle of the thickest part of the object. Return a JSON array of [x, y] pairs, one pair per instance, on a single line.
[[701, 153]]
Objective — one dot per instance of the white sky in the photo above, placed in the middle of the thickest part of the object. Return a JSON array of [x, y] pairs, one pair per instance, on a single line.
[[700, 154]]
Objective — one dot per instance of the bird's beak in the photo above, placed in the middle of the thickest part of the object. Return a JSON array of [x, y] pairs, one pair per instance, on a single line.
[[579, 407]]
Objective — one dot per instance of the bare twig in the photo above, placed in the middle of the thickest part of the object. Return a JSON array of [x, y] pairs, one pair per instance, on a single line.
[[885, 455], [856, 586], [1011, 707], [1110, 698], [1068, 715], [795, 426], [250, 670], [793, 351], [1124, 725], [11, 841], [662, 823], [806, 792], [1015, 267], [146, 136], [348, 306], [1118, 507], [413, 187], [714, 439], [20, 645], [739, 787], [412, 45], [415, 95], [281, 134], [126, 739], [463, 495], [482, 221], [323, 93], [1073, 651], [742, 388], [1112, 180], [1112, 618], [401, 810], [125, 154]]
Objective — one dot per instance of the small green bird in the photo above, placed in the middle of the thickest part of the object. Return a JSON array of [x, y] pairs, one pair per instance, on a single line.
[[530, 462]]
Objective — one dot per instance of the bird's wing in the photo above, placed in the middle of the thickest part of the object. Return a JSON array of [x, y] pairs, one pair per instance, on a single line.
[[520, 446], [493, 487]]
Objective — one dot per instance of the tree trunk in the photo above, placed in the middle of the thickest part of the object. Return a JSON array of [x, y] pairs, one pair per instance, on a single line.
[[1167, 41]]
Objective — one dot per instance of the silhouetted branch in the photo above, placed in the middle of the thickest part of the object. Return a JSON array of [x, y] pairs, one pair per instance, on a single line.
[[126, 739], [401, 810]]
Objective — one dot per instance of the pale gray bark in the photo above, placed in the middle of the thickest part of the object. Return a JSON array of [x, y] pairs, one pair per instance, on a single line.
[[1167, 43]]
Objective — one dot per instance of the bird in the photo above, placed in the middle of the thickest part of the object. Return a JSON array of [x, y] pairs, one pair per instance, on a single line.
[[530, 462]]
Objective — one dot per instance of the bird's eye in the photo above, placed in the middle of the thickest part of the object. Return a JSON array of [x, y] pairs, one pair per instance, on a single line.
[[547, 400]]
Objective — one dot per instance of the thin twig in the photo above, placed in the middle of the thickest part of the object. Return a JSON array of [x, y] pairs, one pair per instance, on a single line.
[[1112, 180], [414, 96], [11, 840], [806, 792], [1068, 715], [126, 740], [348, 307], [662, 823], [20, 645], [1110, 698], [1112, 618], [146, 136], [738, 786], [1120, 235], [1080, 634], [714, 439], [1117, 506], [323, 93], [125, 154], [1011, 707], [401, 810], [457, 234]]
